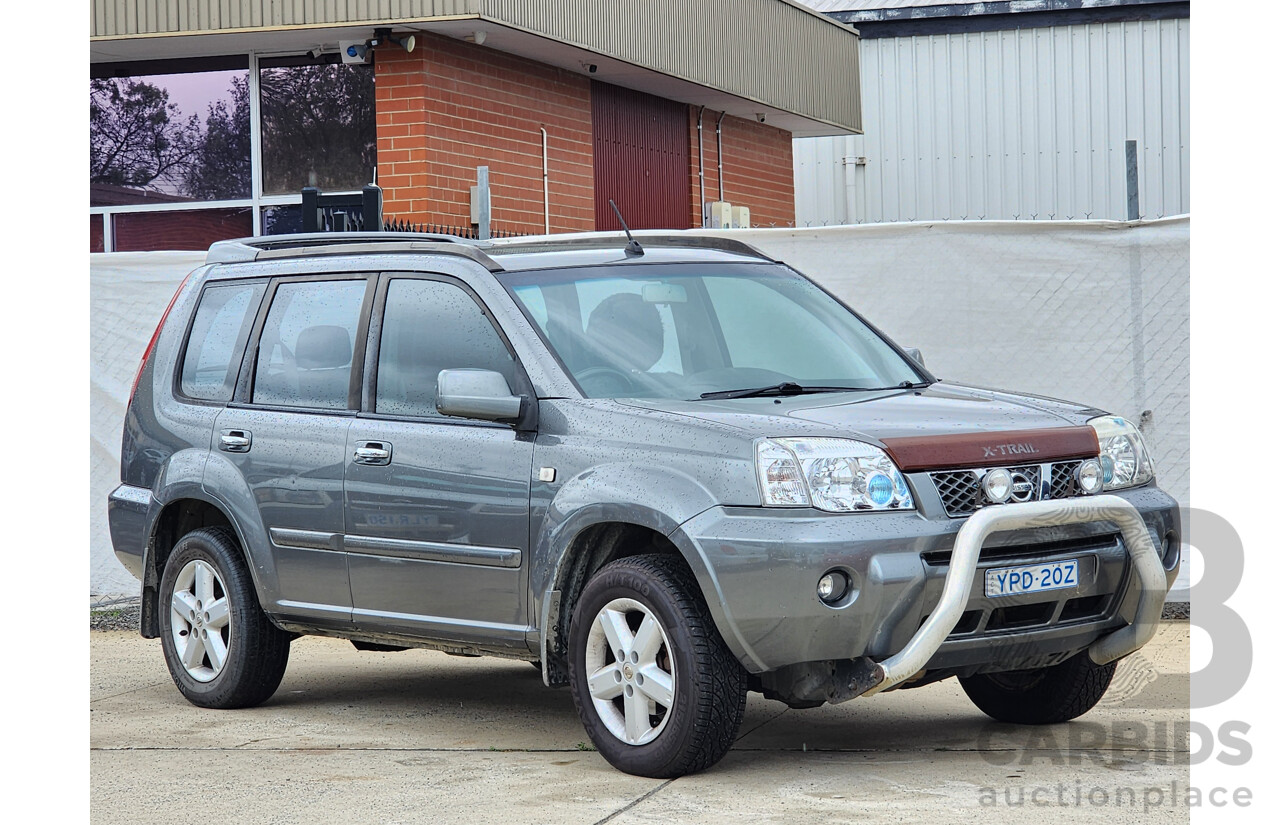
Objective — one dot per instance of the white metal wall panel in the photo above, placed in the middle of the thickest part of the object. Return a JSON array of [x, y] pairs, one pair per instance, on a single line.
[[113, 18], [1023, 124]]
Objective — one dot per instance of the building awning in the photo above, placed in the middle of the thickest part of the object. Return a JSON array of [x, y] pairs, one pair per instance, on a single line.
[[770, 59]]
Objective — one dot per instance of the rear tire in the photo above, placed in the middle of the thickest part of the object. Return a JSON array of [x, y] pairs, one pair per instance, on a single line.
[[221, 649], [658, 691], [1044, 696]]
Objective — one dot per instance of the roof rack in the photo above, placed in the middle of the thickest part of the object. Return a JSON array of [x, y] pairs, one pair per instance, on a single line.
[[519, 247], [311, 245]]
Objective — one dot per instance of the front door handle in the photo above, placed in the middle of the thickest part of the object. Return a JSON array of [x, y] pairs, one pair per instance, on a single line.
[[235, 441], [375, 453]]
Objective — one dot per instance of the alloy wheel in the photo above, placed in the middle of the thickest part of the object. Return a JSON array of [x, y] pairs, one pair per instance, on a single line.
[[200, 620], [630, 671]]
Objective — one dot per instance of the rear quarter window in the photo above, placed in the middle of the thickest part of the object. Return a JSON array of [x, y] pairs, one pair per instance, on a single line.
[[217, 340]]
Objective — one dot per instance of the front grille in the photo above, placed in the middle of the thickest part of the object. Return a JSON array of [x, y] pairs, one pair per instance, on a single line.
[[961, 490]]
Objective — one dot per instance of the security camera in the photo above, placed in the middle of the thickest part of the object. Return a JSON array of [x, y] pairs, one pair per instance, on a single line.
[[591, 68], [354, 51], [315, 53], [760, 116]]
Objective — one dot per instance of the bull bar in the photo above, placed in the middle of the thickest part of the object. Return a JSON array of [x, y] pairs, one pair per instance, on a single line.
[[870, 677]]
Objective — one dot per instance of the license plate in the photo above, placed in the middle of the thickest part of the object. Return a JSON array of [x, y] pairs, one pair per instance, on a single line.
[[1033, 578]]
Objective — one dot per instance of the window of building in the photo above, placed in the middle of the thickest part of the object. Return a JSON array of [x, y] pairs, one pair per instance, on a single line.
[[429, 326], [169, 132], [317, 125], [177, 160]]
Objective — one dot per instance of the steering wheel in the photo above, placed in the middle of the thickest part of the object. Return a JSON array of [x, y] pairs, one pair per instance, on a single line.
[[609, 375]]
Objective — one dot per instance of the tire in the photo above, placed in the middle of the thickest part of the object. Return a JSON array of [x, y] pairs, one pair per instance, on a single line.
[[235, 656], [1044, 696], [686, 715]]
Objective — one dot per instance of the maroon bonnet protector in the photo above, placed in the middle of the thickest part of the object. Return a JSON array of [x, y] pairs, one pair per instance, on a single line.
[[991, 449]]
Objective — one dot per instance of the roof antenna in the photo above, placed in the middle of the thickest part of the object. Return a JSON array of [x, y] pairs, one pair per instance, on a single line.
[[633, 246]]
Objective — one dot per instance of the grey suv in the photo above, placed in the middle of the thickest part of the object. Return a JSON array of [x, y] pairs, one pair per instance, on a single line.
[[666, 473]]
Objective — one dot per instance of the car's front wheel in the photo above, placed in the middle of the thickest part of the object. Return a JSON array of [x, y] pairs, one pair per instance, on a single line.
[[657, 690], [1043, 696], [221, 649]]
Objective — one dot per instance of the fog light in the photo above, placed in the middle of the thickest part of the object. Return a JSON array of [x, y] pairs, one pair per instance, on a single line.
[[998, 485], [1089, 476], [833, 586]]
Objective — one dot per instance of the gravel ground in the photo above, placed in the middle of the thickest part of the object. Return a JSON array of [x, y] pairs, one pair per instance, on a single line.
[[125, 614]]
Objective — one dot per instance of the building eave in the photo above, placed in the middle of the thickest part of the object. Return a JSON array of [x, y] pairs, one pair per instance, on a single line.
[[796, 68]]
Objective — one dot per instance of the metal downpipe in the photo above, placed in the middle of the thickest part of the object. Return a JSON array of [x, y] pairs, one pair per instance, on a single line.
[[702, 175], [720, 156], [546, 199]]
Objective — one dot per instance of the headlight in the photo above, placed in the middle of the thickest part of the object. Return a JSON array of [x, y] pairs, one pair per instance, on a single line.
[[838, 475], [1124, 457]]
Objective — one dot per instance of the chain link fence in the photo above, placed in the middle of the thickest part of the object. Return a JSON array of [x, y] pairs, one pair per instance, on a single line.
[[1096, 312]]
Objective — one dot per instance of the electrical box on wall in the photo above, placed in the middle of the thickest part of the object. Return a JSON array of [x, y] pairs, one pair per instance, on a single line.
[[717, 214], [741, 217]]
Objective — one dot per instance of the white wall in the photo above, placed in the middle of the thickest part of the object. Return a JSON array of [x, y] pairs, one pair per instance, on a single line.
[[1013, 125]]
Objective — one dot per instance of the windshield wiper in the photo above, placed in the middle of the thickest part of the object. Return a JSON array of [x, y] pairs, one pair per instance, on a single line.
[[785, 388], [905, 385], [792, 388]]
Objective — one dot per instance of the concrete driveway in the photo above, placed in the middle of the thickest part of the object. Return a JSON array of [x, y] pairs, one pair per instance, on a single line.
[[420, 736]]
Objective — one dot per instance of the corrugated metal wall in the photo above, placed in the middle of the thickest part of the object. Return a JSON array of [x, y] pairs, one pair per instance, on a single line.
[[764, 50], [1021, 124], [113, 18], [641, 147]]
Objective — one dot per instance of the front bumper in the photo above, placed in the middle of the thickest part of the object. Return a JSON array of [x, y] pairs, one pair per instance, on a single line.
[[759, 570]]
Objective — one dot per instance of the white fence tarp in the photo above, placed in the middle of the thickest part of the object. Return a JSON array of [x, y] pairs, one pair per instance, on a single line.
[[128, 292], [1096, 312]]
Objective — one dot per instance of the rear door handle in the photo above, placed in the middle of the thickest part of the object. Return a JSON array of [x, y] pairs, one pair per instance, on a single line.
[[373, 452], [235, 441]]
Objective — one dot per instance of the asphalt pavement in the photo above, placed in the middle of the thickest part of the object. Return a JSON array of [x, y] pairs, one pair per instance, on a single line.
[[418, 736]]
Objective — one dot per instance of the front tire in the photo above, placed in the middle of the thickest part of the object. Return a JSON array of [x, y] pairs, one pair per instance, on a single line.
[[221, 649], [657, 690], [1044, 696]]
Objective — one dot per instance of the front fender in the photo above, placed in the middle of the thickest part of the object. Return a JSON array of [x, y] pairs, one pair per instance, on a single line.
[[657, 498]]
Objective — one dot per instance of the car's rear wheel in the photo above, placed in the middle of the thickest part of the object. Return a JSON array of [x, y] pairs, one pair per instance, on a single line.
[[657, 690], [1043, 696], [221, 650]]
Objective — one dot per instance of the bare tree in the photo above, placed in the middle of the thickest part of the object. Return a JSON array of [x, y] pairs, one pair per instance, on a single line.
[[136, 136]]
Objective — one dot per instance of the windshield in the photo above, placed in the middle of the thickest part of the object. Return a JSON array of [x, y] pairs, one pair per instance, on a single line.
[[690, 330]]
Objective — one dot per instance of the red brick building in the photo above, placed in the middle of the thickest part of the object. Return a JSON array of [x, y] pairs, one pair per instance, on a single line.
[[609, 109]]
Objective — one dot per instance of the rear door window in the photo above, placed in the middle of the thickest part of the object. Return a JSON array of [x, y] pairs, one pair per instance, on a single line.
[[218, 335], [304, 352]]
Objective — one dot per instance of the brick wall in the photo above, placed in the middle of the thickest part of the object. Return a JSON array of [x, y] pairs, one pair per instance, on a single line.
[[757, 168], [451, 106]]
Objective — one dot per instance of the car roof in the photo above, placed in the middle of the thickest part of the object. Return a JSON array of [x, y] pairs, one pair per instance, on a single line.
[[541, 252]]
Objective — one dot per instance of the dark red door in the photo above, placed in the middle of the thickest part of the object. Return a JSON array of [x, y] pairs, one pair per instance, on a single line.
[[641, 158]]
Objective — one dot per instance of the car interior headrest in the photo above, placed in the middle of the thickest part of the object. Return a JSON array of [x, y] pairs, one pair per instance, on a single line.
[[626, 331], [323, 347]]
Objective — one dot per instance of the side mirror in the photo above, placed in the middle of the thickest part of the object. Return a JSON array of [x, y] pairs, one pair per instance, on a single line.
[[472, 393], [915, 355]]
